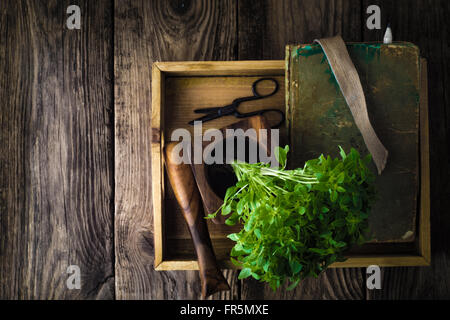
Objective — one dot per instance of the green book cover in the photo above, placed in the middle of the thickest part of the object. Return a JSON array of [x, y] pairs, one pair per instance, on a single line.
[[319, 120]]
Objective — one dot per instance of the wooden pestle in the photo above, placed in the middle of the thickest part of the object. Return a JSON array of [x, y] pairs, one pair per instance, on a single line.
[[188, 197]]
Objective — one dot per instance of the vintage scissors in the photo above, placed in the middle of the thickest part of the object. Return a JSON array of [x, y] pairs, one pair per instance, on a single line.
[[232, 109]]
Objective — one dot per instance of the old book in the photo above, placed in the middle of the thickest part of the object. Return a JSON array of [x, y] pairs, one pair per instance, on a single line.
[[319, 120]]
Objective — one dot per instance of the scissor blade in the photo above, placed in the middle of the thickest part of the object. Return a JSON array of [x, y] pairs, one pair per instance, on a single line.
[[205, 118], [207, 110]]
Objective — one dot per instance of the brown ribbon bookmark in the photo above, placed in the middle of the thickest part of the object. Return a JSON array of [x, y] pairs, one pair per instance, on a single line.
[[350, 85]]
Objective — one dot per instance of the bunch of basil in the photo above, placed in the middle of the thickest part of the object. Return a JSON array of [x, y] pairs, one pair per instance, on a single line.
[[298, 222]]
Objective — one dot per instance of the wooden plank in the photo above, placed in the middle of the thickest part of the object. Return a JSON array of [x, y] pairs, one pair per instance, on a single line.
[[352, 262], [425, 24], [56, 150], [157, 170], [146, 32], [265, 28], [182, 259], [222, 68], [185, 94], [332, 284]]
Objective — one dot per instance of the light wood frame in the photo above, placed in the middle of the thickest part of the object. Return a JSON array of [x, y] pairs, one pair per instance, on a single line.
[[161, 70]]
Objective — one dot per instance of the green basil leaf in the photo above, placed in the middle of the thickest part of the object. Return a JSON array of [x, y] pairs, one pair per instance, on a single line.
[[245, 273]]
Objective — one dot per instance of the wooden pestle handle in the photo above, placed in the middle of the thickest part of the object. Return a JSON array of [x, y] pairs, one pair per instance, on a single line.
[[188, 197]]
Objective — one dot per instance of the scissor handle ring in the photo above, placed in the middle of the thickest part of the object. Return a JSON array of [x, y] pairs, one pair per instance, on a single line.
[[260, 113], [255, 89], [281, 113]]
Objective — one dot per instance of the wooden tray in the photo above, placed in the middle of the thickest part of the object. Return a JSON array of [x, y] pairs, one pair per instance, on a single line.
[[180, 87]]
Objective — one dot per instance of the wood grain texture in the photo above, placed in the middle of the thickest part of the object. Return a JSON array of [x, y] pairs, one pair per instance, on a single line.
[[334, 284], [266, 27], [55, 151], [279, 23], [181, 95], [425, 24], [146, 32]]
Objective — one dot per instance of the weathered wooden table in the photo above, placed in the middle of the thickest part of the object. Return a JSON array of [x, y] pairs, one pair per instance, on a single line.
[[75, 171]]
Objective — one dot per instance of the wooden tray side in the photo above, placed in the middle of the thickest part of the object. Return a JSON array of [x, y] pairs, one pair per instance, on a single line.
[[221, 68], [424, 219], [157, 162]]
